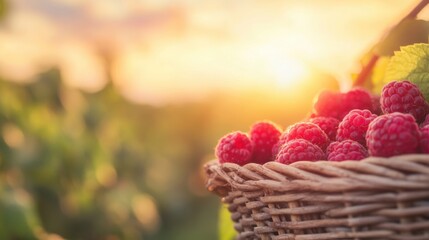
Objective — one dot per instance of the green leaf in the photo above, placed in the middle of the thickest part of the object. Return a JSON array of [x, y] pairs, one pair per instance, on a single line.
[[412, 64], [226, 225]]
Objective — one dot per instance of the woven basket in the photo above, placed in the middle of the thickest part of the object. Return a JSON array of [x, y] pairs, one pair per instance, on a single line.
[[376, 198]]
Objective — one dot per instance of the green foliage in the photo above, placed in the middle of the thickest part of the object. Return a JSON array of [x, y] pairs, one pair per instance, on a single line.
[[93, 166], [411, 63], [407, 32], [226, 225], [18, 215]]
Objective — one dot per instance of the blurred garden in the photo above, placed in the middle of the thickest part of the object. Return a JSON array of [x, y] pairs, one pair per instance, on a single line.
[[108, 111]]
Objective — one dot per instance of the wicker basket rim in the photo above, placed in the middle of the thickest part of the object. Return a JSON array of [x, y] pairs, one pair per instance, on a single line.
[[398, 173]]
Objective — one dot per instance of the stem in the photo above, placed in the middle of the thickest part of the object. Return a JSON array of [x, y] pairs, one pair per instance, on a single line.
[[416, 10], [367, 69]]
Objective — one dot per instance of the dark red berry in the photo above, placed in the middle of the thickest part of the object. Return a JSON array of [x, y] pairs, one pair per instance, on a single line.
[[376, 107], [404, 97], [337, 105], [329, 104], [297, 150], [328, 124], [234, 147], [357, 98], [354, 125], [346, 150], [264, 135], [393, 134], [308, 131], [424, 140]]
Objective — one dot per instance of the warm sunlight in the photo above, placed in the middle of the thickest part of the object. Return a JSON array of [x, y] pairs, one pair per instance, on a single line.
[[181, 52], [123, 119], [287, 71]]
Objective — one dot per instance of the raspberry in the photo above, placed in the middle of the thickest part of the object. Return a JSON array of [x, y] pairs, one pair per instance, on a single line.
[[234, 147], [299, 149], [263, 136], [328, 124], [308, 131], [424, 140], [357, 98], [337, 105], [354, 125], [281, 142], [376, 107], [346, 150], [329, 104], [404, 97], [393, 134]]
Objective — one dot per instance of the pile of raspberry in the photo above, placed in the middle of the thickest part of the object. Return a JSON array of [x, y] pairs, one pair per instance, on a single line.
[[343, 126]]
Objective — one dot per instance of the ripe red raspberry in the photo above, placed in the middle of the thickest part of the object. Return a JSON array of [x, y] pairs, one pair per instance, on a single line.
[[354, 126], [281, 142], [357, 98], [329, 104], [234, 147], [376, 107], [337, 105], [346, 150], [328, 124], [308, 131], [299, 149], [263, 136], [393, 134], [424, 140], [404, 97]]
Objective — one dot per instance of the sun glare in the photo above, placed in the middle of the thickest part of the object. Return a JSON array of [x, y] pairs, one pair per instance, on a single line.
[[288, 72], [284, 69]]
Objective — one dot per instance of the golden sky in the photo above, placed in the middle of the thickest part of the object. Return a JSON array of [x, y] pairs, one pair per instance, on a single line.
[[161, 51]]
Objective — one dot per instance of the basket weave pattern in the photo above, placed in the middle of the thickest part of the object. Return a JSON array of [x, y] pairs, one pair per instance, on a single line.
[[376, 198]]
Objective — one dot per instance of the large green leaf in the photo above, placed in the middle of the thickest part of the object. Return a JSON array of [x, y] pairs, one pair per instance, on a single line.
[[411, 63]]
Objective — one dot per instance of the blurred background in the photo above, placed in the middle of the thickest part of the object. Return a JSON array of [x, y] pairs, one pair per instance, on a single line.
[[109, 109]]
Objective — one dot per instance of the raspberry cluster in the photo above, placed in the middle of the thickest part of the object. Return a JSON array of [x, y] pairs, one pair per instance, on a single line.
[[343, 126]]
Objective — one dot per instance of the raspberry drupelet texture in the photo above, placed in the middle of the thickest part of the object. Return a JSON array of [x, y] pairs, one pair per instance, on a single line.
[[264, 135], [393, 134], [234, 147], [357, 98], [337, 105], [376, 107], [297, 150], [424, 139], [329, 104], [354, 126], [328, 124], [346, 150], [308, 131], [404, 97]]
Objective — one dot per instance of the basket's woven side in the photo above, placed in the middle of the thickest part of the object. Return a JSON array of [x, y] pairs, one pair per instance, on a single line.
[[376, 198], [241, 215]]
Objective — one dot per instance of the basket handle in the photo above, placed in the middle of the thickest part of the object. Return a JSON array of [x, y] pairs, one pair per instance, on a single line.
[[367, 68]]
